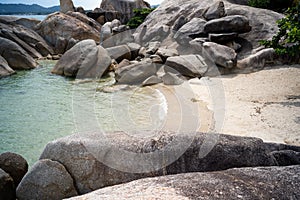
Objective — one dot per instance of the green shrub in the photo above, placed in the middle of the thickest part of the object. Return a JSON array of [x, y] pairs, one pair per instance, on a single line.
[[276, 5], [287, 40], [259, 3], [139, 17]]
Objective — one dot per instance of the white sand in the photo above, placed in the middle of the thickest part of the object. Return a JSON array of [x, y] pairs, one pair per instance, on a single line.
[[263, 104]]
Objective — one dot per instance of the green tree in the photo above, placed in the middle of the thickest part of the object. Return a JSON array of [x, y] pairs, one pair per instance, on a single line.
[[139, 17], [287, 40]]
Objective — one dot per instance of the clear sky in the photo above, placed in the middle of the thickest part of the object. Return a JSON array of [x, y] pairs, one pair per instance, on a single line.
[[87, 4]]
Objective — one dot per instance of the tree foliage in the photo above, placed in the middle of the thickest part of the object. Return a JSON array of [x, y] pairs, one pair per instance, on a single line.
[[276, 5], [287, 40], [139, 17]]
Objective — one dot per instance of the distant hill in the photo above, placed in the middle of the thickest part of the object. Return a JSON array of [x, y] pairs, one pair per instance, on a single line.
[[10, 9]]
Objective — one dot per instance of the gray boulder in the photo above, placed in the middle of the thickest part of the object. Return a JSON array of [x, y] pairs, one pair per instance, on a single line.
[[29, 49], [171, 79], [215, 11], [229, 24], [220, 54], [222, 37], [192, 29], [239, 183], [61, 45], [179, 23], [61, 25], [134, 48], [135, 73], [7, 187], [16, 57], [286, 157], [27, 22], [165, 53], [84, 60], [115, 23], [85, 19], [106, 31], [15, 165], [46, 180], [152, 47], [119, 52], [89, 157], [24, 37], [5, 70], [152, 80], [257, 60], [66, 5], [188, 65]]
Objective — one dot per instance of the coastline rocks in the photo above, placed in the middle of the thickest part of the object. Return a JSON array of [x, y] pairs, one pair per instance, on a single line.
[[188, 65], [239, 183], [5, 70], [7, 188], [61, 25], [25, 37], [16, 57], [66, 5], [46, 180], [220, 54], [228, 24], [30, 50], [15, 165], [84, 60]]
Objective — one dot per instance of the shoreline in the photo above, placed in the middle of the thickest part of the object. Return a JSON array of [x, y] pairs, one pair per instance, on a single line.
[[263, 104]]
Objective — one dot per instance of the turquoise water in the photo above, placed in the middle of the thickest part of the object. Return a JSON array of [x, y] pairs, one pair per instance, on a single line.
[[38, 17], [38, 107], [35, 108]]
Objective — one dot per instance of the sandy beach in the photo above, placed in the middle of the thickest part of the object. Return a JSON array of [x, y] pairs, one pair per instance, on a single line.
[[263, 104]]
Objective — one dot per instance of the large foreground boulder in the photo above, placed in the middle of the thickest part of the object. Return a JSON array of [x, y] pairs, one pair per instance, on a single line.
[[95, 161], [242, 183], [15, 165], [84, 60], [16, 57], [46, 180]]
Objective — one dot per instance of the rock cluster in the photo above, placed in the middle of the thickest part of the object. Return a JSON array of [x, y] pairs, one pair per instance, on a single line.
[[170, 47], [85, 157]]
